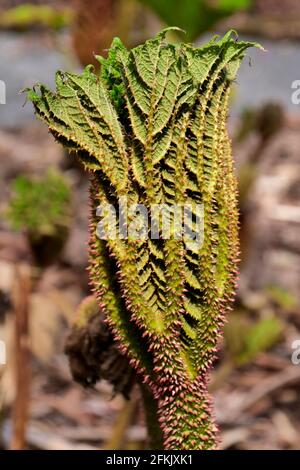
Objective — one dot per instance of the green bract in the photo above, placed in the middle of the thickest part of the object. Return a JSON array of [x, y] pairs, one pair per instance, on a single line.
[[152, 127]]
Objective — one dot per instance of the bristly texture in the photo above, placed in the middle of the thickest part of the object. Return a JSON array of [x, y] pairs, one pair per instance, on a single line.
[[152, 127]]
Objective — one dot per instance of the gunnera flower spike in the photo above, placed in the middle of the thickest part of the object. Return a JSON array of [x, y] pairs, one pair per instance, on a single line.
[[151, 130]]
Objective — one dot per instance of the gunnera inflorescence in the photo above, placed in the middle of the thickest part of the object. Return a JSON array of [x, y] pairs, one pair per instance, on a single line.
[[151, 128]]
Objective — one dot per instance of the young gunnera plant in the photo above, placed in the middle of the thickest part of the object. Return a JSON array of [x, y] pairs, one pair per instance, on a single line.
[[41, 206], [151, 129]]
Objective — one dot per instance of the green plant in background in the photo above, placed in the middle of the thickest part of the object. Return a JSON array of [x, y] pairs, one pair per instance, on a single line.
[[40, 204], [245, 340], [282, 297], [42, 208], [27, 15], [152, 128], [195, 16]]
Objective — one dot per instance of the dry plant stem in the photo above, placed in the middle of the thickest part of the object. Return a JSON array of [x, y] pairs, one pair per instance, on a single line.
[[155, 435], [123, 421], [95, 24], [20, 407]]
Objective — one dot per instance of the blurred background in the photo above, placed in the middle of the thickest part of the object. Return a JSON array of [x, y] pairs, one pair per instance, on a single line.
[[44, 227]]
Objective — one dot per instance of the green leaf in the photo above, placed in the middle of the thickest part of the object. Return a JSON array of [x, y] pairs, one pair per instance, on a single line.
[[194, 16]]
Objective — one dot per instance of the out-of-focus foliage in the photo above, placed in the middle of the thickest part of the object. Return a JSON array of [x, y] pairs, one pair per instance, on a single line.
[[269, 120], [266, 121], [96, 23], [40, 205], [28, 15], [195, 16], [247, 124], [230, 5], [282, 297], [245, 340]]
